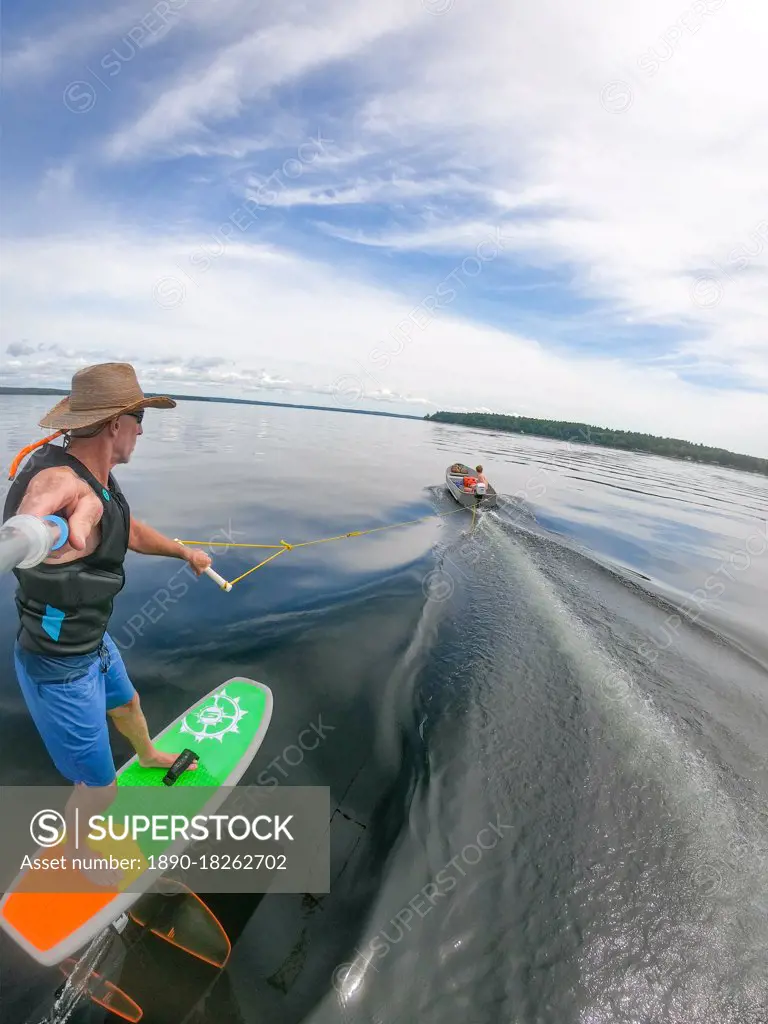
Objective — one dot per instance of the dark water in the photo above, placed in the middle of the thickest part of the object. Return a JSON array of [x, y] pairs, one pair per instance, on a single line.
[[546, 741]]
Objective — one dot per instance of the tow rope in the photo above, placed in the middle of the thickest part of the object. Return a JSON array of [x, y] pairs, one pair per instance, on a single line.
[[283, 546]]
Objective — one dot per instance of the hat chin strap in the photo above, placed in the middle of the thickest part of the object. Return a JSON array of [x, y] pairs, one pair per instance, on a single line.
[[77, 433], [26, 451]]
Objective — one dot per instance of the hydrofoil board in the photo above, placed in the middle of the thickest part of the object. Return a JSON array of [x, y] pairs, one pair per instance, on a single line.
[[225, 730]]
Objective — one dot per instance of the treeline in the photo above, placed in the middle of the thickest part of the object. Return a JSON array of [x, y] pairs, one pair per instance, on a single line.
[[584, 433]]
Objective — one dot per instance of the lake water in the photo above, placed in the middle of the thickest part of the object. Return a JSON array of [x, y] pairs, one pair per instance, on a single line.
[[546, 739]]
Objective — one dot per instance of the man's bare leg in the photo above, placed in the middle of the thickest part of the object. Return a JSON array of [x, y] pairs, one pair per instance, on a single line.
[[130, 721]]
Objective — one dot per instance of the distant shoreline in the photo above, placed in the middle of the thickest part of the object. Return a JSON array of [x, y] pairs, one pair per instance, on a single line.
[[230, 401], [621, 440], [558, 430]]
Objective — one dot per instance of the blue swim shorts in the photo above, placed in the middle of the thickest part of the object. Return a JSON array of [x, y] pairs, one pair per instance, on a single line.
[[68, 698]]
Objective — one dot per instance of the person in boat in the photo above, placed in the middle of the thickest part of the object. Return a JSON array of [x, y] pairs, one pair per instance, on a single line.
[[69, 669], [481, 482]]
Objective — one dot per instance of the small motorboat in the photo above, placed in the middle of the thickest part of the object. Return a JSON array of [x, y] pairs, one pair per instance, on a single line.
[[465, 494]]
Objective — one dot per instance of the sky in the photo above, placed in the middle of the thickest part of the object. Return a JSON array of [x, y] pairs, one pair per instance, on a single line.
[[556, 210]]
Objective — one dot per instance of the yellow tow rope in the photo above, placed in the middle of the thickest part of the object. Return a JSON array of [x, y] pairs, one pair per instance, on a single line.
[[284, 546]]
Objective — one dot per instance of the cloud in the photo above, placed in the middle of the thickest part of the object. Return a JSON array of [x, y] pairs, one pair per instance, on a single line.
[[619, 154], [202, 374], [38, 57], [635, 220], [288, 324], [86, 42], [217, 88], [366, 191], [19, 348]]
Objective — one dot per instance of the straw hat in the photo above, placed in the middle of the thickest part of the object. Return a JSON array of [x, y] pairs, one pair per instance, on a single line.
[[100, 393]]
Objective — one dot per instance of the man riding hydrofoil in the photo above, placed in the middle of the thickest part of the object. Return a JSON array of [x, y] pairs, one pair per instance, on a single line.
[[69, 669]]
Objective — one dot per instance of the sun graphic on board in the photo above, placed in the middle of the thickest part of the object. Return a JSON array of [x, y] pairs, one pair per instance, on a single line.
[[214, 719]]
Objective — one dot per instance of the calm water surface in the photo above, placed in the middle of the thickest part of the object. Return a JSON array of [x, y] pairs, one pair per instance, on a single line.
[[546, 740]]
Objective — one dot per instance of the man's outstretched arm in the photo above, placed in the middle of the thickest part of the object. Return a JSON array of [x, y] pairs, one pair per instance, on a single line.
[[146, 540], [60, 489]]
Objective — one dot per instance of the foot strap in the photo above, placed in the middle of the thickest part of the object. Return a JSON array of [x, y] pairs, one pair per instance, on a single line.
[[179, 766]]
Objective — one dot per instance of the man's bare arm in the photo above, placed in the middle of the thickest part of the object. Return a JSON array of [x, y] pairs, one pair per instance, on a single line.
[[146, 540]]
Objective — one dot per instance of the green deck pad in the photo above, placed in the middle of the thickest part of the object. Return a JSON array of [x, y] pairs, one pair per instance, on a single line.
[[220, 728], [138, 776]]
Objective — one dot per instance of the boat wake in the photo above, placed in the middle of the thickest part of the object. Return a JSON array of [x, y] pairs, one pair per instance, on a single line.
[[656, 805]]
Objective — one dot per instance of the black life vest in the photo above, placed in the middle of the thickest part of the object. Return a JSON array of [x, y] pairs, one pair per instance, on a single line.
[[64, 609]]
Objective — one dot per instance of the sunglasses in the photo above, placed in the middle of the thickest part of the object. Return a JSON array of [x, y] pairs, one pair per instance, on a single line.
[[138, 415]]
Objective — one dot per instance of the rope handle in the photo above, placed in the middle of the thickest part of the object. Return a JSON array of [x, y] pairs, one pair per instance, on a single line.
[[209, 572], [218, 580]]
